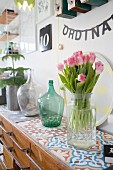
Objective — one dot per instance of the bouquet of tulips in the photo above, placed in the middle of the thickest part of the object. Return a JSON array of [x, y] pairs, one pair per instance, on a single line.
[[79, 74]]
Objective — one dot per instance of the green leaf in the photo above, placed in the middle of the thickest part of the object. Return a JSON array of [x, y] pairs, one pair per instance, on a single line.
[[82, 70], [13, 56], [92, 83], [79, 87], [63, 79], [72, 82], [89, 76], [68, 87]]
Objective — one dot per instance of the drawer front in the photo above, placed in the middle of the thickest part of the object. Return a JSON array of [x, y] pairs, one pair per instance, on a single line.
[[8, 160], [6, 125], [32, 167], [5, 130], [20, 158], [19, 138], [45, 160], [6, 140]]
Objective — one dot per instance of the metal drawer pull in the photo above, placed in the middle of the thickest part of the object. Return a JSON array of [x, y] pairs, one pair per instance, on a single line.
[[8, 133], [22, 149], [1, 154], [33, 161]]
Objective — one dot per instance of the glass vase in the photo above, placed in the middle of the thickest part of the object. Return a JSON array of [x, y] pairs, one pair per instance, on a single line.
[[51, 106], [81, 121], [28, 95]]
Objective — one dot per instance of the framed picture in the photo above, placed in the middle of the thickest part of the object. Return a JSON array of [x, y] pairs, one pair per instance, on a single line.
[[45, 41], [45, 9]]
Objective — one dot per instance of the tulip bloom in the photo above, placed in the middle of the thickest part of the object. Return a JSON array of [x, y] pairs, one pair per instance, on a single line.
[[71, 61], [99, 67], [60, 67], [92, 58], [81, 77]]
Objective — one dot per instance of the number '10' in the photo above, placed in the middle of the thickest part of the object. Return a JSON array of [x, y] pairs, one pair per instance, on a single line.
[[44, 40]]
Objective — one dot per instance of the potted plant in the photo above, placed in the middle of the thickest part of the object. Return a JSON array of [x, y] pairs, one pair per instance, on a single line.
[[14, 79]]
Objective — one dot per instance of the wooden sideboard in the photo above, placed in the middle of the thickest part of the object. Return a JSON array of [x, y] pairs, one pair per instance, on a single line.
[[28, 145], [22, 152]]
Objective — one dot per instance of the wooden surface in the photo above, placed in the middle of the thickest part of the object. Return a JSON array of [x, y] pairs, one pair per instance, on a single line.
[[38, 156], [48, 149], [7, 16], [7, 36]]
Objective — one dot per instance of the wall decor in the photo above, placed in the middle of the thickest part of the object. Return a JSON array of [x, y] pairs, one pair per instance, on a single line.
[[94, 2], [45, 41], [45, 9], [61, 10], [94, 32], [76, 5]]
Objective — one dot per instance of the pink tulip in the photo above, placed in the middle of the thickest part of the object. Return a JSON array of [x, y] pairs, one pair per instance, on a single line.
[[65, 62], [78, 60], [99, 67], [78, 53], [92, 58], [85, 58], [60, 67], [81, 77], [71, 61]]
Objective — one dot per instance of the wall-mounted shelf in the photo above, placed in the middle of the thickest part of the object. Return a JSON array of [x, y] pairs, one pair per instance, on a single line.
[[7, 16], [7, 36]]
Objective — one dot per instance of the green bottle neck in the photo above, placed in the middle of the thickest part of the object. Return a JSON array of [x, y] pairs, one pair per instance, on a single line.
[[51, 89]]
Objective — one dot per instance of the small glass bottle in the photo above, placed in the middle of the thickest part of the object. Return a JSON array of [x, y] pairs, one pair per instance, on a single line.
[[28, 95], [51, 107]]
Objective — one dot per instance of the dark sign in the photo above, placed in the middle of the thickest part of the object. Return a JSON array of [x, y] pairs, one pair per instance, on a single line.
[[93, 32], [108, 153], [46, 38]]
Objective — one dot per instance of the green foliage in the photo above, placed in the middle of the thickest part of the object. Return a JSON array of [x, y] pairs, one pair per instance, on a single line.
[[69, 77], [16, 75], [14, 57]]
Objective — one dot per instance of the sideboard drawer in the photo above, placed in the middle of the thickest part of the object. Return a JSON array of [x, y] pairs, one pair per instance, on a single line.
[[46, 160], [20, 139], [8, 160], [21, 158], [7, 127], [6, 140], [5, 131], [32, 167]]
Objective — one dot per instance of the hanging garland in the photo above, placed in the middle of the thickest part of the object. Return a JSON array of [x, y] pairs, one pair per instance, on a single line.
[[95, 31]]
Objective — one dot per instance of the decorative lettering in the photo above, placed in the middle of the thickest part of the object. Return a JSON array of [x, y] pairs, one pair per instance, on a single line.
[[65, 30], [78, 35], [105, 27], [94, 32]]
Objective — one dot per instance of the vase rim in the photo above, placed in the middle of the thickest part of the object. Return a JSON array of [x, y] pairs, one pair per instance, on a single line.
[[81, 95]]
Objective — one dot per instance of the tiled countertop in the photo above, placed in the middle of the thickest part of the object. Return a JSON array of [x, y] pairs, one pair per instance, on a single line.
[[55, 141]]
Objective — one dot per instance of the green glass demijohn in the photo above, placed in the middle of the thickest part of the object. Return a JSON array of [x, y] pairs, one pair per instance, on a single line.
[[51, 107]]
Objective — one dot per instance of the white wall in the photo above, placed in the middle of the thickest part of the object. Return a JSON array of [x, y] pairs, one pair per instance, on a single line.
[[44, 63]]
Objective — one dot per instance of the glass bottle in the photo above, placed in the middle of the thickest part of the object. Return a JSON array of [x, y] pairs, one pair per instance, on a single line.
[[28, 95], [81, 121], [51, 107]]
